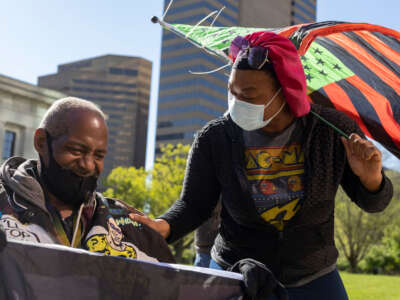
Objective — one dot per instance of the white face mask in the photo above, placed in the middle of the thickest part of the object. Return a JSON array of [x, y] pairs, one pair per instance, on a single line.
[[250, 116]]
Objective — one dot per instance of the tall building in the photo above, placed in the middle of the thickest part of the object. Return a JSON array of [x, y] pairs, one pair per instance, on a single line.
[[120, 85], [186, 101], [22, 107]]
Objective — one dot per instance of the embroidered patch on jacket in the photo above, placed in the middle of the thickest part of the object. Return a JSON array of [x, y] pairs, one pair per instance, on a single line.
[[15, 230]]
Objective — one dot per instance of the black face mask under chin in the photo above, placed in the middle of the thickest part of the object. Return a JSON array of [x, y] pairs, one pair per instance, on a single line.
[[65, 184]]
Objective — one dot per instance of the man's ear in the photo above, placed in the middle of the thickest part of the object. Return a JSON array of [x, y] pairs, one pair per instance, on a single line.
[[40, 142]]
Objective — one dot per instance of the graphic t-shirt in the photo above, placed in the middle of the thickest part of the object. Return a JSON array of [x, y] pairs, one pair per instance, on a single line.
[[275, 171]]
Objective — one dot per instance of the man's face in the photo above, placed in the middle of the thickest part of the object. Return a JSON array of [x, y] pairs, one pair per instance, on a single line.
[[83, 148], [255, 87]]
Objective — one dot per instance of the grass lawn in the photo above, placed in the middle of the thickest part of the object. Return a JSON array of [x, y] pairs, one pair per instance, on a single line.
[[371, 287]]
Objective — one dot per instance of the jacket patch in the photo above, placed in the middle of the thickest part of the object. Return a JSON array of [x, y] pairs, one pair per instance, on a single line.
[[112, 241], [15, 230], [101, 243], [125, 221]]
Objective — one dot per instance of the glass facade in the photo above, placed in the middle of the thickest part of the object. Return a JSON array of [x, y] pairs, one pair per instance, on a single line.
[[303, 11]]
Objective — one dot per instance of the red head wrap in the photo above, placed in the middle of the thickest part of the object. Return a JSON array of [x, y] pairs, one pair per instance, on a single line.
[[261, 48]]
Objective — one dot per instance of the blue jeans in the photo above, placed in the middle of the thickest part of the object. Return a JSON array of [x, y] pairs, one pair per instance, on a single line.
[[327, 287], [202, 260], [214, 265]]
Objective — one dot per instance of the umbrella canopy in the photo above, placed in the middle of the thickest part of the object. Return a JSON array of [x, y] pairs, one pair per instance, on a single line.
[[352, 67]]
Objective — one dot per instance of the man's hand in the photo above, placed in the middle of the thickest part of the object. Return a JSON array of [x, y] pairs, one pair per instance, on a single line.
[[159, 225], [365, 160], [259, 282]]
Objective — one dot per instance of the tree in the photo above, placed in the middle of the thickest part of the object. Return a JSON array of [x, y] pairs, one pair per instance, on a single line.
[[153, 192], [129, 185], [167, 177], [357, 231], [385, 257], [166, 186]]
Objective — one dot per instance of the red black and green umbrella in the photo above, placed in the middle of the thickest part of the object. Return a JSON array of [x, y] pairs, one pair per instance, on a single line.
[[352, 67]]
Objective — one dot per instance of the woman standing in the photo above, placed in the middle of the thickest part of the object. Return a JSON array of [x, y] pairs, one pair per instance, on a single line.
[[277, 168]]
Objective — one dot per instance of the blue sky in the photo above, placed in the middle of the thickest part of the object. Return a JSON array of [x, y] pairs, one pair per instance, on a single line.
[[39, 35]]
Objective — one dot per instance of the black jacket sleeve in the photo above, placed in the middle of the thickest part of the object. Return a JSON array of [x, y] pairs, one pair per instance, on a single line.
[[200, 190], [366, 200]]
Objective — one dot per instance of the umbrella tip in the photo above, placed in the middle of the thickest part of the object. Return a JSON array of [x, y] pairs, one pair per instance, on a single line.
[[154, 19]]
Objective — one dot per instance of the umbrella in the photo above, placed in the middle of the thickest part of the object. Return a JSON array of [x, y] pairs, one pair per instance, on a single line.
[[352, 67]]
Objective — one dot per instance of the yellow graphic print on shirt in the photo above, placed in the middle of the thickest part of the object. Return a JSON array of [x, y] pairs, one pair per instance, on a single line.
[[276, 176], [99, 243], [111, 243]]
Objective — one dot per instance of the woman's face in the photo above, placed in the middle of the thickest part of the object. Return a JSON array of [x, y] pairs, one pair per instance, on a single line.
[[256, 87]]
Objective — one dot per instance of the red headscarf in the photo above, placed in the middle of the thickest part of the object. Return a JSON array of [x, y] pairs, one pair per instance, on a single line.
[[283, 56]]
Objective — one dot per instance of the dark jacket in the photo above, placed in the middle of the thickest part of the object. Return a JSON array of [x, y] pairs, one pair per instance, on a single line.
[[306, 245], [205, 235], [105, 226]]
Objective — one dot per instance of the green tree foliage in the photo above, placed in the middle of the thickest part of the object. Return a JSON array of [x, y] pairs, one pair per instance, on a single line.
[[154, 191], [129, 185], [166, 186], [167, 177], [357, 231], [385, 257]]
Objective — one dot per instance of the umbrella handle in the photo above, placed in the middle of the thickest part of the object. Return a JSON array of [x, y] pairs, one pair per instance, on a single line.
[[330, 124]]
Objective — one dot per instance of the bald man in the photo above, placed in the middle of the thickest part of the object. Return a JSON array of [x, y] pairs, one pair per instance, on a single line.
[[54, 199]]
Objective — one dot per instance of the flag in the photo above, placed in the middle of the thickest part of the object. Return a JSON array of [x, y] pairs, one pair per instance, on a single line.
[[352, 67], [31, 271]]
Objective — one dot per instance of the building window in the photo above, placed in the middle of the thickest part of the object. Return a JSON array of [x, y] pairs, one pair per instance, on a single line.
[[126, 72], [9, 144], [164, 124], [101, 91], [103, 83]]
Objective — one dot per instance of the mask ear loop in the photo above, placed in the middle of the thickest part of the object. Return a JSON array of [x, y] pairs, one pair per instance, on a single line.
[[279, 110], [273, 98], [41, 161], [48, 141]]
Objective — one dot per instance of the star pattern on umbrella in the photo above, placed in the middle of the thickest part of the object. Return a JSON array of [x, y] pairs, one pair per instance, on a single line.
[[322, 72], [317, 51], [321, 67], [337, 67]]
